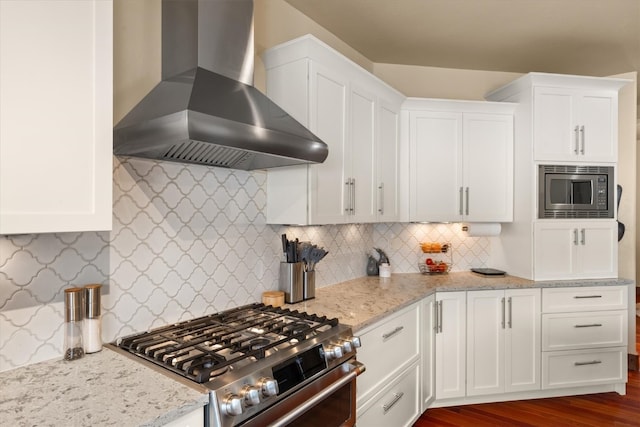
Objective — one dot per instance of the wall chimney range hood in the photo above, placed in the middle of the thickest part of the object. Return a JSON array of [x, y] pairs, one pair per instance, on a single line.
[[206, 110]]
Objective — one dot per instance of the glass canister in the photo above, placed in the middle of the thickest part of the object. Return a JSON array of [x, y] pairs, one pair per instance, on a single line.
[[92, 319], [73, 316]]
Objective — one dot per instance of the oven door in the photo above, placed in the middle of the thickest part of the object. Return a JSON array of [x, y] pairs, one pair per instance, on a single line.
[[329, 401]]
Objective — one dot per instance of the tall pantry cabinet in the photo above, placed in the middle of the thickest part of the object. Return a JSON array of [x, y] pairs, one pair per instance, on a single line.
[[55, 116], [357, 115], [560, 120]]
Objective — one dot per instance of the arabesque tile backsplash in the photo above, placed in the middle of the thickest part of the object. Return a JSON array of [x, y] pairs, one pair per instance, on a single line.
[[186, 241]]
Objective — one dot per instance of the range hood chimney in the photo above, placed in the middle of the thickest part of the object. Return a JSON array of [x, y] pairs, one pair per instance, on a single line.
[[205, 110]]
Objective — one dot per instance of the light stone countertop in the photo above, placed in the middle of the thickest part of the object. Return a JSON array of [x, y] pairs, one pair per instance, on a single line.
[[100, 389], [363, 301], [108, 388]]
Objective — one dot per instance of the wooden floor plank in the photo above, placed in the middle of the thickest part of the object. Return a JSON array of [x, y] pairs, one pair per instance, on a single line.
[[594, 410]]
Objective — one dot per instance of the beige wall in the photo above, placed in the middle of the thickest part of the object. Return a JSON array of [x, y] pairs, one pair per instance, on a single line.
[[448, 83], [627, 175]]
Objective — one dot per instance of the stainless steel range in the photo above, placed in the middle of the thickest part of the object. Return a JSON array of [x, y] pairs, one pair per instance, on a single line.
[[261, 365]]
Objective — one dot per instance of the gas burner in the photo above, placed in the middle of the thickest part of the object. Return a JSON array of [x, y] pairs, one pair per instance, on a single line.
[[296, 328], [259, 343]]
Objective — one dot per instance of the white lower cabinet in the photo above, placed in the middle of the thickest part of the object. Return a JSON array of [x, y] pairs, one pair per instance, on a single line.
[[450, 352], [428, 394], [576, 249], [390, 351], [584, 336], [503, 341], [398, 405], [194, 418]]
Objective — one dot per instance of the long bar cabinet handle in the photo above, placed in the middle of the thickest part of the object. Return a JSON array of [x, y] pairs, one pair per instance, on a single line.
[[591, 362], [392, 333]]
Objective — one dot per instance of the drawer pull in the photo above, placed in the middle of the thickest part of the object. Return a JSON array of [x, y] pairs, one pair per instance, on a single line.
[[592, 362], [392, 333], [592, 325], [396, 397], [587, 296]]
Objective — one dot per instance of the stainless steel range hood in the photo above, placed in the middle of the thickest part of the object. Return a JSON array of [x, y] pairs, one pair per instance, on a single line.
[[205, 110]]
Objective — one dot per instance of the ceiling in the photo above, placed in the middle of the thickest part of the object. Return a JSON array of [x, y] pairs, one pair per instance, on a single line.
[[588, 37]]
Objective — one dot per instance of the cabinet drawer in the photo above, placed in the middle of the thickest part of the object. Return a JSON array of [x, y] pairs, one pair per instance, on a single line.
[[386, 349], [583, 367], [589, 298], [398, 405], [572, 331]]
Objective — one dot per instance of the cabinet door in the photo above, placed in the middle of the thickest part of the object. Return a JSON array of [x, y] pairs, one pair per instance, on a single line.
[[450, 345], [361, 162], [485, 342], [555, 249], [597, 249], [522, 340], [328, 188], [388, 148], [554, 133], [488, 167], [56, 119], [436, 168], [575, 125], [428, 351], [597, 118]]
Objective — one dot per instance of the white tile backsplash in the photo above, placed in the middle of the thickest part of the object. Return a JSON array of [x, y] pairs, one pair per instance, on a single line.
[[186, 241]]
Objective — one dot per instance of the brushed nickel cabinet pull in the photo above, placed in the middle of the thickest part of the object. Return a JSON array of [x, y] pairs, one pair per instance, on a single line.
[[510, 313], [467, 197], [592, 325], [460, 201], [392, 333], [587, 296], [502, 323], [591, 362], [577, 139], [396, 397], [582, 139], [381, 202]]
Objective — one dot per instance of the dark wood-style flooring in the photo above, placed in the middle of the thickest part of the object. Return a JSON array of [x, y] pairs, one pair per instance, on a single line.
[[595, 410]]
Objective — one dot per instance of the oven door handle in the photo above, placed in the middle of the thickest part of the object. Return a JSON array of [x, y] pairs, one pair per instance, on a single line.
[[355, 369]]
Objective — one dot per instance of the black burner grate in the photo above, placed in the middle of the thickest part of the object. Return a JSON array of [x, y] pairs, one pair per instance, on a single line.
[[203, 348]]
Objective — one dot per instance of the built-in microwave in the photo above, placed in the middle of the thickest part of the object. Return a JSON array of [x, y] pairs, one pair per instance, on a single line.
[[575, 191]]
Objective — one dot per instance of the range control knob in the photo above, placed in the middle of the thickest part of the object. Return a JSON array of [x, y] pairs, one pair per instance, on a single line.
[[333, 352], [355, 341], [268, 386], [347, 346], [251, 395], [232, 405]]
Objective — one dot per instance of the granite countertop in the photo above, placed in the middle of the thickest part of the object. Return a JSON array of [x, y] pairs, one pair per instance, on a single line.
[[363, 301], [100, 389], [108, 388]]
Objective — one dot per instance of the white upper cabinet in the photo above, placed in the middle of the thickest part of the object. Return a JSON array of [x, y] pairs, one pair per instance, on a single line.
[[461, 160], [570, 118], [55, 116], [357, 115], [575, 125]]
